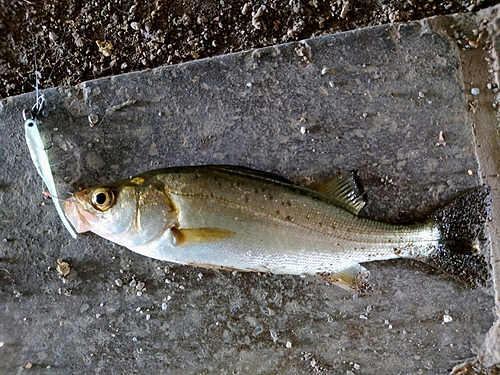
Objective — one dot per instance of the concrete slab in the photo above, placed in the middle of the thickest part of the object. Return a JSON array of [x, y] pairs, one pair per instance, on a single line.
[[393, 102]]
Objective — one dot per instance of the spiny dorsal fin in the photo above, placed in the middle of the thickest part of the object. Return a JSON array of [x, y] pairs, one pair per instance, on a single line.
[[251, 172], [343, 191]]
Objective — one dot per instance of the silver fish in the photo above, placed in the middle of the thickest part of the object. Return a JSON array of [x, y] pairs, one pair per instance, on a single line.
[[240, 219]]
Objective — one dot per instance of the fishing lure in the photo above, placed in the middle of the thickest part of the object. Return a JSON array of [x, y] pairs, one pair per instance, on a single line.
[[41, 160]]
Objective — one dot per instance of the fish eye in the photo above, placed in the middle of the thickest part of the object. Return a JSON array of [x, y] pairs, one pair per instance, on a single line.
[[103, 199]]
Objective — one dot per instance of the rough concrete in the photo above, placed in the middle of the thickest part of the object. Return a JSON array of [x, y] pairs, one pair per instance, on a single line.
[[483, 70], [391, 102]]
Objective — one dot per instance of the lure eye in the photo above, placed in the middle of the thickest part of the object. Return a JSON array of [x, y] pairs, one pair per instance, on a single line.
[[103, 199]]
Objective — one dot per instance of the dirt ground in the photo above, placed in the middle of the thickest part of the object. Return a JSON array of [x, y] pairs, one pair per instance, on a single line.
[[73, 42]]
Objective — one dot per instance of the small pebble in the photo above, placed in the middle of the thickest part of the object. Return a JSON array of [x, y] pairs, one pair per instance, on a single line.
[[274, 335], [93, 118], [474, 91], [53, 36], [63, 268], [447, 318], [245, 9]]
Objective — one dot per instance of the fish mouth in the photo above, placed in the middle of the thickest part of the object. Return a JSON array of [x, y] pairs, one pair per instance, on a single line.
[[77, 220]]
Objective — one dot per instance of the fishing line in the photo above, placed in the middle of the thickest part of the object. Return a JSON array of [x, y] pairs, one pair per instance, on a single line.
[[48, 195]]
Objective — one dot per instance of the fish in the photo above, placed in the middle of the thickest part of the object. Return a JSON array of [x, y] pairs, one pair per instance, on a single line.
[[237, 218]]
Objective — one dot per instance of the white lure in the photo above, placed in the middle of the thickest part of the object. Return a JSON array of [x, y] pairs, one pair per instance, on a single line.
[[42, 165]]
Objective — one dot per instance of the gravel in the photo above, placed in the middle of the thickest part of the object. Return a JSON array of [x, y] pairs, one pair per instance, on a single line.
[[79, 41]]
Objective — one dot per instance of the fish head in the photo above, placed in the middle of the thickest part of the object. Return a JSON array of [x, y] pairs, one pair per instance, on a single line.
[[128, 212]]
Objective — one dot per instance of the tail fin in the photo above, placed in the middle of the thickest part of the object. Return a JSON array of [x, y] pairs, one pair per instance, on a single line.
[[462, 228]]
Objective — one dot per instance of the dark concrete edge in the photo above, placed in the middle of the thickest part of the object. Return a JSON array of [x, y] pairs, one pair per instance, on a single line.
[[481, 66], [489, 159]]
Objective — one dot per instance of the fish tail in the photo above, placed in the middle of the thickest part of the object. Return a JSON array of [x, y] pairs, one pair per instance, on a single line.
[[461, 224]]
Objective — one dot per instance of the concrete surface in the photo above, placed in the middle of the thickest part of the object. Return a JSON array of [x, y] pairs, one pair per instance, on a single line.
[[391, 102]]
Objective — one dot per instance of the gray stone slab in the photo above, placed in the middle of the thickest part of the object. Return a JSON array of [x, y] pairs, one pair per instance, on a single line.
[[374, 100]]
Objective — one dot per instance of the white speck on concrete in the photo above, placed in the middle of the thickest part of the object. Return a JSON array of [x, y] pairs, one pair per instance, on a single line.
[[447, 318], [274, 335]]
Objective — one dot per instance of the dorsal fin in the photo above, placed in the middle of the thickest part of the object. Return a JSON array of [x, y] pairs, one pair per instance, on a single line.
[[251, 172], [343, 191]]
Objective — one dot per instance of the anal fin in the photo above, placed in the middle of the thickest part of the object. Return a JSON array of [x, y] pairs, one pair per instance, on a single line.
[[195, 236], [353, 279]]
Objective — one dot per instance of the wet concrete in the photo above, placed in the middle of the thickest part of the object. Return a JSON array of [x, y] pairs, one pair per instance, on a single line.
[[392, 102]]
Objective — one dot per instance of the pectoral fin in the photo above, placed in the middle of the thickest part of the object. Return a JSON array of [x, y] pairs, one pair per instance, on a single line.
[[353, 279], [195, 236]]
